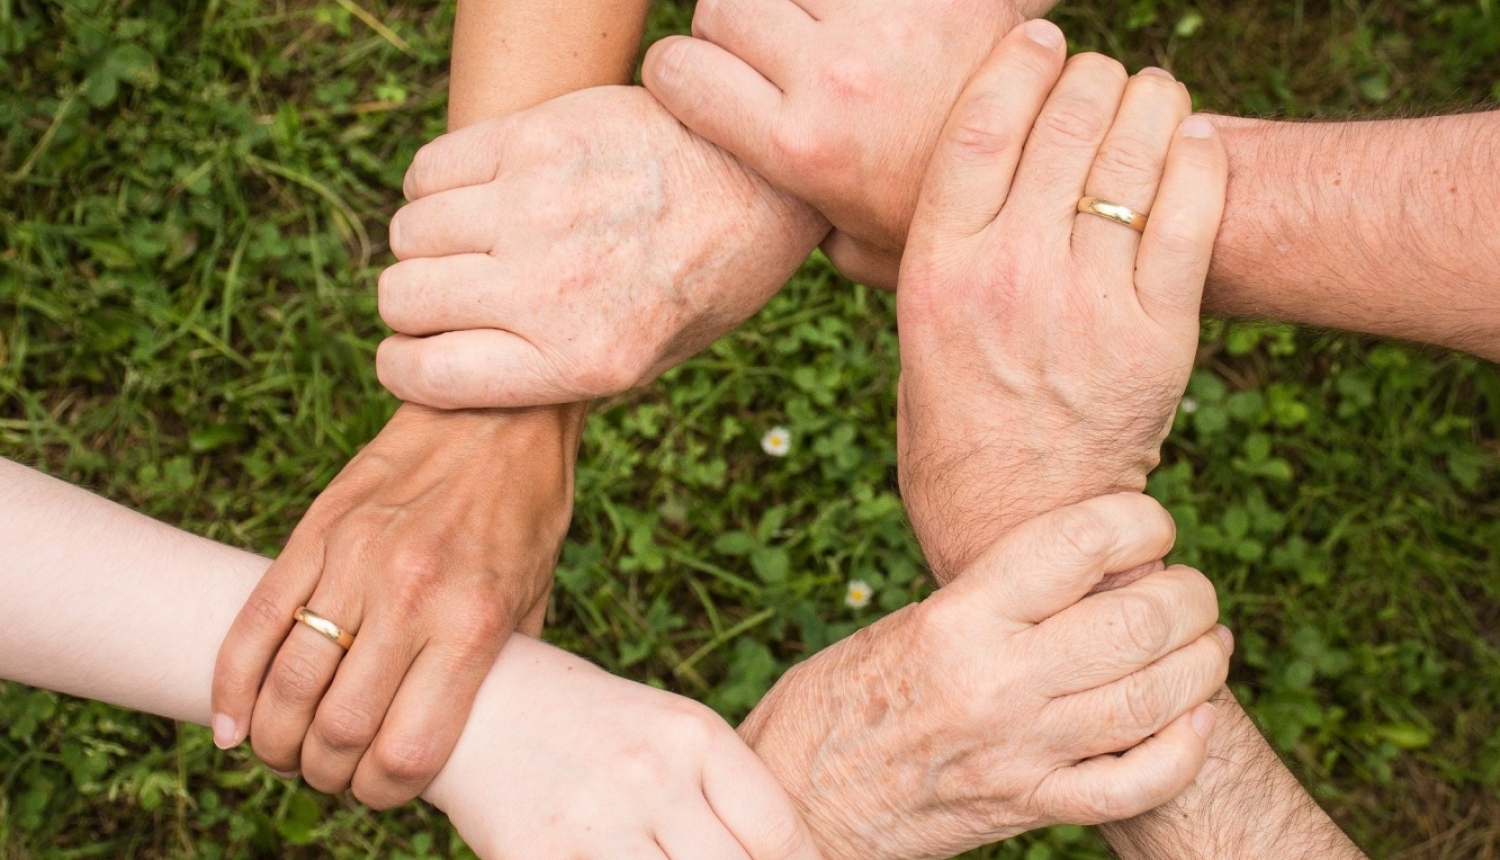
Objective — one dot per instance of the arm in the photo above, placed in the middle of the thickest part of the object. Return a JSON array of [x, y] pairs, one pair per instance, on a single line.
[[1376, 227], [1244, 805], [384, 718], [612, 769], [1384, 228]]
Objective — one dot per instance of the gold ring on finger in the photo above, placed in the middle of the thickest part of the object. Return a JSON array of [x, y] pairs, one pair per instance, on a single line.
[[334, 633], [1114, 212]]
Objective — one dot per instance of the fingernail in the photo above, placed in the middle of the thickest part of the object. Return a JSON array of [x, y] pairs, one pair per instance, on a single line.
[[1203, 719], [1153, 71], [1225, 636], [1197, 127], [1045, 33], [226, 732], [290, 774]]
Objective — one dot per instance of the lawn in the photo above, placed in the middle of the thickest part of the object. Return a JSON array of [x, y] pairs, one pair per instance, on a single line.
[[192, 210]]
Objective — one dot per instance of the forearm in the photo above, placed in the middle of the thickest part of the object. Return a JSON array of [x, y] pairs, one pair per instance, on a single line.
[[1244, 805], [1382, 227], [107, 604], [509, 55]]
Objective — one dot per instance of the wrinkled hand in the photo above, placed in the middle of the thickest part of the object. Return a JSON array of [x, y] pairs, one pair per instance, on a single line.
[[837, 103], [998, 704], [431, 546], [573, 251], [563, 761], [1043, 351]]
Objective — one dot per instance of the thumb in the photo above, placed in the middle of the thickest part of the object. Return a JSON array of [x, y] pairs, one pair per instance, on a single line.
[[1051, 562], [724, 101]]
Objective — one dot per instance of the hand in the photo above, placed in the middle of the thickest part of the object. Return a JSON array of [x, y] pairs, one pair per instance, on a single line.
[[1043, 352], [837, 103], [431, 546], [573, 251], [998, 704], [563, 761]]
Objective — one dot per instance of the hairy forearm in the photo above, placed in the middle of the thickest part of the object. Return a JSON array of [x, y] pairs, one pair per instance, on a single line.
[[1244, 805], [1380, 227]]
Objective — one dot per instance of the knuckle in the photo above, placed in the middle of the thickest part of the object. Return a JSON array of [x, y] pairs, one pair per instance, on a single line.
[[296, 678], [407, 759], [1085, 533], [346, 728], [1072, 120], [980, 127], [1144, 625], [264, 613], [1181, 238], [849, 78], [1129, 157], [798, 147], [1147, 702]]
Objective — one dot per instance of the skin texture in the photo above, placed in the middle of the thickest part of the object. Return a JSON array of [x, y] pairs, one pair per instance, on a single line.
[[378, 544], [1011, 299], [867, 776], [575, 250], [1373, 227], [791, 88], [1244, 805], [997, 705], [612, 769]]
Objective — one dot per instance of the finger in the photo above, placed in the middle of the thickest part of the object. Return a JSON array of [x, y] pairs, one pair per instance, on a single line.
[[1113, 788], [1062, 147], [723, 100], [1050, 562], [694, 832], [1179, 238], [975, 160], [257, 634], [861, 263], [1130, 162], [469, 156], [424, 721], [750, 802], [299, 676], [478, 369], [1115, 633], [430, 295], [768, 35], [456, 221], [351, 712], [1120, 715]]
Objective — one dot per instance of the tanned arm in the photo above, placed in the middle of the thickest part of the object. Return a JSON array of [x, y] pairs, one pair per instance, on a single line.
[[1383, 227]]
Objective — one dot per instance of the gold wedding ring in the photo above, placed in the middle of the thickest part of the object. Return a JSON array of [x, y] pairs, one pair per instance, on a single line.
[[1114, 212], [336, 634]]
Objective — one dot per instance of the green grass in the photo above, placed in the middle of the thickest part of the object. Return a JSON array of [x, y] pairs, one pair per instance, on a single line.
[[191, 220]]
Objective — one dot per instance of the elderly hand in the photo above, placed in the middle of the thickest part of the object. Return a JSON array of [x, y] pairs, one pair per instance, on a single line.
[[431, 546], [837, 103], [573, 251], [1044, 351], [1003, 702], [563, 761]]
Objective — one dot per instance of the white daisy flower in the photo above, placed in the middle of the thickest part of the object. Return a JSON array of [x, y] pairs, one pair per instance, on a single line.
[[777, 441], [858, 594]]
